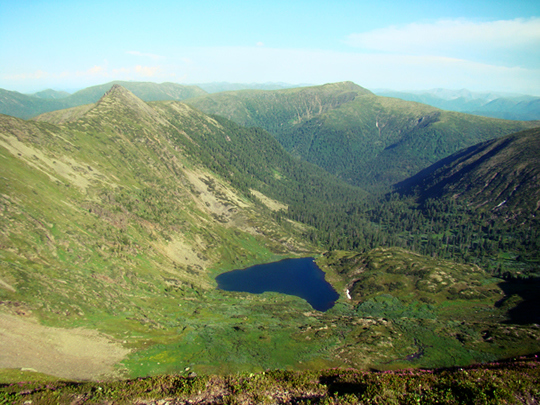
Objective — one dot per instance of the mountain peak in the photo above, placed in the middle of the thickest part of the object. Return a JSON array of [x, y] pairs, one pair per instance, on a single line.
[[117, 91], [347, 86], [116, 87], [121, 99]]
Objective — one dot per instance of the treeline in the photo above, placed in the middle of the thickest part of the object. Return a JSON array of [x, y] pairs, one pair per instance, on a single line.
[[449, 229], [250, 158], [343, 217], [441, 228]]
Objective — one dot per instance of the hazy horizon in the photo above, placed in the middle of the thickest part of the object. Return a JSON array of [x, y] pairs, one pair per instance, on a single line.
[[398, 45], [285, 85]]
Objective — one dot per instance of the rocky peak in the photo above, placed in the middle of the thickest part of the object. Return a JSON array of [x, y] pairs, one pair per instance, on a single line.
[[120, 99]]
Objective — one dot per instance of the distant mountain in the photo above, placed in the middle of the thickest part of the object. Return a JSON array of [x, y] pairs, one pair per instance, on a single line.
[[367, 140], [500, 176], [218, 87], [518, 108], [51, 94], [490, 104], [146, 91], [25, 106]]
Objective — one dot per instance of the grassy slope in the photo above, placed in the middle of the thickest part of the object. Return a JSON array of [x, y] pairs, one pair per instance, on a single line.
[[114, 221], [107, 224], [367, 140], [428, 312]]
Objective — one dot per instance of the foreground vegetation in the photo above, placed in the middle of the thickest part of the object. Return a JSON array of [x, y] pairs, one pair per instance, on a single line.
[[510, 382]]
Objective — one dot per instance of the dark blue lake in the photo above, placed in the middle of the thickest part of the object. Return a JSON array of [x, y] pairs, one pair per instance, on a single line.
[[300, 277]]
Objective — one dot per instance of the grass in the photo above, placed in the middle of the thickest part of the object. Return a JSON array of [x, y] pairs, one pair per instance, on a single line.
[[510, 382], [416, 311]]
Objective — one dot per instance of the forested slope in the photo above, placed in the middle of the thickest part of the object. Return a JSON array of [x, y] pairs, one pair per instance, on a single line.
[[501, 176], [367, 140]]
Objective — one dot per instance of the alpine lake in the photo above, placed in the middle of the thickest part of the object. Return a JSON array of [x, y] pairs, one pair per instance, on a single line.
[[300, 277]]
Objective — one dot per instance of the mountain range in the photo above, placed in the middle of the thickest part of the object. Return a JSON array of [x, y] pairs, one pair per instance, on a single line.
[[28, 106], [116, 216], [490, 104], [367, 140]]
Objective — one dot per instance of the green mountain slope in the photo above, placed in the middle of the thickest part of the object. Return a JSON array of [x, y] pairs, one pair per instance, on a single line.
[[24, 106], [119, 220], [125, 163], [445, 309], [51, 94], [115, 222], [27, 106], [500, 177], [367, 140]]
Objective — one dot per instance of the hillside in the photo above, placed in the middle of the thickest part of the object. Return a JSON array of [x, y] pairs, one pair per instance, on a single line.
[[501, 176], [492, 383], [116, 218], [118, 221], [28, 106], [367, 140]]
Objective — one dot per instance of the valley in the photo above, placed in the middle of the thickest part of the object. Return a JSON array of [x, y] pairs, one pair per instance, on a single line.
[[117, 216], [367, 140]]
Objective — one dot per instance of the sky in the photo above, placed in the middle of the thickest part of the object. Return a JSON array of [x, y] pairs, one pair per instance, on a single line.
[[399, 45]]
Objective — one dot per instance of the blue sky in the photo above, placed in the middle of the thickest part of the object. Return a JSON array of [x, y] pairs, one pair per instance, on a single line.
[[401, 45]]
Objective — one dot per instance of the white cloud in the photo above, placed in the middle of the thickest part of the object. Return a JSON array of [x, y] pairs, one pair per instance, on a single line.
[[96, 71], [130, 73], [450, 37], [120, 71]]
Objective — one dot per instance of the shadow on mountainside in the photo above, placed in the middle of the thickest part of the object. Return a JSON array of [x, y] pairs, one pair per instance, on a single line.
[[528, 292]]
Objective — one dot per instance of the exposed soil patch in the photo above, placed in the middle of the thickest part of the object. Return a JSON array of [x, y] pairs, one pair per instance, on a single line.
[[78, 354], [270, 203]]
